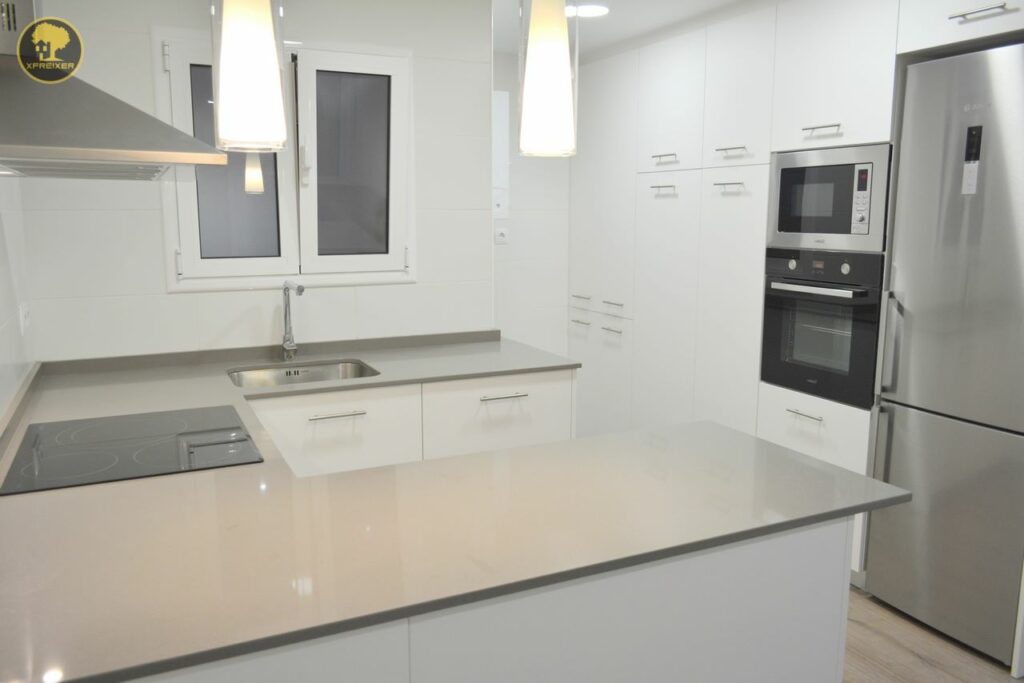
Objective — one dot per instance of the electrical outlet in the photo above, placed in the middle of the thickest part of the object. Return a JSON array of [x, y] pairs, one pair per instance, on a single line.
[[501, 235], [23, 318]]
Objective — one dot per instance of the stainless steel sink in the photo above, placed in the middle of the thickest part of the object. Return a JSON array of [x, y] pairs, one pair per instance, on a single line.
[[299, 373]]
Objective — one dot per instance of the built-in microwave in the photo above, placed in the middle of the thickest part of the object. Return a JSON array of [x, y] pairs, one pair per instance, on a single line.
[[830, 199]]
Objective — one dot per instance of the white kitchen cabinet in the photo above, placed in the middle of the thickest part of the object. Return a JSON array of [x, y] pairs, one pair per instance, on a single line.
[[671, 103], [603, 344], [829, 431], [490, 413], [734, 210], [601, 217], [930, 23], [835, 66], [344, 430], [740, 70], [667, 266]]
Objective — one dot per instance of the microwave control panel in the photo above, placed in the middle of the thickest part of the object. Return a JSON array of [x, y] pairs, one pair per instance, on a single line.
[[861, 224]]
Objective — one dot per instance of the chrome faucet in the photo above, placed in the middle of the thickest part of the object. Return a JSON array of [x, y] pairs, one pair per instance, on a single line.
[[289, 345]]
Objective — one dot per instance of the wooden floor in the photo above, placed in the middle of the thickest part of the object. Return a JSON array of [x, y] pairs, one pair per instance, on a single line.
[[883, 645]]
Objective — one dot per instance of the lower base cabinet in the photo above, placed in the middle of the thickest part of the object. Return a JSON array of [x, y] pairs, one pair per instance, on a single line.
[[490, 413], [604, 345], [832, 432]]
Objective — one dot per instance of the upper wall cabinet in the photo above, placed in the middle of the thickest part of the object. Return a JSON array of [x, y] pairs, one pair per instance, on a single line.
[[671, 105], [928, 23], [740, 60], [835, 65]]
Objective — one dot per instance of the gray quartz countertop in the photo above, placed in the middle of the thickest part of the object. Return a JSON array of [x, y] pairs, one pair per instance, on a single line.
[[119, 579]]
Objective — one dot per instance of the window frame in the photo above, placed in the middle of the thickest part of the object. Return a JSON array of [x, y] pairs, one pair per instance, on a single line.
[[191, 265], [397, 259]]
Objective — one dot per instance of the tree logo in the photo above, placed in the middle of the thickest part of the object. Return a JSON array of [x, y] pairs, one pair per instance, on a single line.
[[49, 50]]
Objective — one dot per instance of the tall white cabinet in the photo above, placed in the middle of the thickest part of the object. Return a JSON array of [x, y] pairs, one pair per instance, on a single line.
[[835, 68]]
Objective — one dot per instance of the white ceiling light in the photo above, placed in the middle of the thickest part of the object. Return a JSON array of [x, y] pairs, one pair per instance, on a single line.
[[586, 11], [547, 96], [248, 92]]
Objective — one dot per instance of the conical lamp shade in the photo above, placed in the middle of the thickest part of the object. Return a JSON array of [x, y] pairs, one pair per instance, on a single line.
[[548, 123]]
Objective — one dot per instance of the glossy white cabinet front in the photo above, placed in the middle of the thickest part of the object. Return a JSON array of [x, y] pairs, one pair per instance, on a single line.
[[829, 431], [835, 67], [928, 23], [604, 345], [344, 430], [490, 413]]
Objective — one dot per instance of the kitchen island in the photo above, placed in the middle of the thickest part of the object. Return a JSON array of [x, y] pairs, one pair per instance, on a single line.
[[688, 552]]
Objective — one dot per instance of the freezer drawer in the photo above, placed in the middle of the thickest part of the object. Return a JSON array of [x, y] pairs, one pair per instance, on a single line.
[[952, 556]]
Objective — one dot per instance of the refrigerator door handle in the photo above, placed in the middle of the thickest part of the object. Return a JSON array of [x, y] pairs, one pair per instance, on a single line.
[[883, 444], [891, 342]]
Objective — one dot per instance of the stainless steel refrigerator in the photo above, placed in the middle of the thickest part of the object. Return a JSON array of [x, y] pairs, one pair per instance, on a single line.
[[951, 425]]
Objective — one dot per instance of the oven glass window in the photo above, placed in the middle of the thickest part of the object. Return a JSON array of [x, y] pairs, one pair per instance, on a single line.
[[816, 199], [818, 335]]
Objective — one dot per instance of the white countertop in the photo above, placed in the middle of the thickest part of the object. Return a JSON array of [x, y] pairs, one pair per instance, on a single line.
[[110, 577]]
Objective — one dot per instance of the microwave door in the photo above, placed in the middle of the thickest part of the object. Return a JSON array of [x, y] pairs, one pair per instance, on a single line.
[[817, 200]]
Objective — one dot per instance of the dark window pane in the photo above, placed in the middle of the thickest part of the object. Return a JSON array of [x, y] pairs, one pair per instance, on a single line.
[[232, 224], [352, 128]]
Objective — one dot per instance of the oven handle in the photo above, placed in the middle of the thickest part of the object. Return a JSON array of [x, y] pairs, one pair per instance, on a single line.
[[833, 292]]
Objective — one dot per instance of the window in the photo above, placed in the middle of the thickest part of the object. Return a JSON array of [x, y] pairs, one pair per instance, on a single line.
[[335, 213], [353, 122]]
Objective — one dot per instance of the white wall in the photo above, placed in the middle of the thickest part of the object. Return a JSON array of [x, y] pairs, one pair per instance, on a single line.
[[14, 355], [95, 254], [531, 271]]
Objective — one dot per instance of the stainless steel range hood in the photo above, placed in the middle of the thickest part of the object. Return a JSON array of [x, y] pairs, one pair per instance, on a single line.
[[75, 130]]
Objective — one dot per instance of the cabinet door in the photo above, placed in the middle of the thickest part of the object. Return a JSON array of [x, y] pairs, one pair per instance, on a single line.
[[829, 431], [603, 344], [734, 211], [345, 430], [740, 69], [667, 258], [671, 111], [929, 23], [601, 217], [835, 65], [491, 413]]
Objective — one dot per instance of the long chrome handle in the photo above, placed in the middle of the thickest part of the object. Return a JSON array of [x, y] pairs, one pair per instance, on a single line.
[[736, 184], [880, 465], [1001, 6], [580, 296], [890, 349], [612, 330], [731, 149], [823, 126], [581, 322], [506, 397], [659, 157], [822, 291], [663, 187], [337, 416], [613, 303], [805, 415]]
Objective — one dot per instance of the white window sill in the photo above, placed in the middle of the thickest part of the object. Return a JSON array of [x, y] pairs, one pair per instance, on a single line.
[[229, 284]]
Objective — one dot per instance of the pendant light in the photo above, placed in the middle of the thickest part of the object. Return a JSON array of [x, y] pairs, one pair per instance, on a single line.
[[248, 93], [547, 126]]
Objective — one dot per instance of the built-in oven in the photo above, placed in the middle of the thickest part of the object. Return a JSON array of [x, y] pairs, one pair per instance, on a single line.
[[821, 316], [830, 199]]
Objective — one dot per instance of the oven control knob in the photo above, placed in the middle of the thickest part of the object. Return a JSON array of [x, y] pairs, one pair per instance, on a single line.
[[845, 269], [792, 264]]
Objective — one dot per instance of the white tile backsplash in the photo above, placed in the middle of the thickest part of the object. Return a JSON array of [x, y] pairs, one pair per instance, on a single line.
[[95, 261]]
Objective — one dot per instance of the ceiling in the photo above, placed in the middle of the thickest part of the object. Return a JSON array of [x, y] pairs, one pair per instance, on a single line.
[[627, 19]]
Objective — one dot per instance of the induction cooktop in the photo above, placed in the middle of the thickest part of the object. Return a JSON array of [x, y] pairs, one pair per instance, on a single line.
[[56, 455]]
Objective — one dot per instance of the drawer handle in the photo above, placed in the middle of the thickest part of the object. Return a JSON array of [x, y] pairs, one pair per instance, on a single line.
[[581, 322], [963, 15], [737, 184], [612, 330], [613, 303], [805, 415], [815, 129], [725, 150], [580, 296], [337, 416], [659, 157], [659, 188], [506, 397]]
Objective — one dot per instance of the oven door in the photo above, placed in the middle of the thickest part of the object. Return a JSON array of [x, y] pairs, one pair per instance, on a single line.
[[821, 339]]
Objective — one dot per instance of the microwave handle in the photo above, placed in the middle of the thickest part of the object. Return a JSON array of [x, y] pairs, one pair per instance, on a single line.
[[821, 291]]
